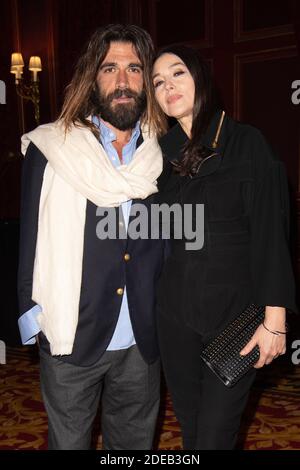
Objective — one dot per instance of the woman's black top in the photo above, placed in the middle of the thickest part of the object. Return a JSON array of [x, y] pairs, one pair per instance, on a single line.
[[245, 257]]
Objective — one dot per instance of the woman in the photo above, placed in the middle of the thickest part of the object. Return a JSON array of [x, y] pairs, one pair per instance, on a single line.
[[227, 166]]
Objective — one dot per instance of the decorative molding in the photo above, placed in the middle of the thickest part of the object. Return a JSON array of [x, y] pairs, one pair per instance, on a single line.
[[17, 46], [151, 10], [261, 56], [252, 57], [261, 33], [51, 57], [205, 42]]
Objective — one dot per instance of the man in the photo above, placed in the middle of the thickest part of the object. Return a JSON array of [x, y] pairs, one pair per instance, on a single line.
[[90, 300]]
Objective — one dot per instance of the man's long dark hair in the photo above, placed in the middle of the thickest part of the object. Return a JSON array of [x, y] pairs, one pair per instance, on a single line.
[[80, 101], [205, 104]]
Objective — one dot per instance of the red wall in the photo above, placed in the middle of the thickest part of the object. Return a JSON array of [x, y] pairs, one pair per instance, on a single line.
[[252, 45]]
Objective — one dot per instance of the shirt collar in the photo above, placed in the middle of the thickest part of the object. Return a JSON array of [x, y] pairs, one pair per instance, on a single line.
[[108, 135]]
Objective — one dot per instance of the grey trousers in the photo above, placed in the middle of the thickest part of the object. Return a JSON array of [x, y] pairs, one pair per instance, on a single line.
[[129, 393]]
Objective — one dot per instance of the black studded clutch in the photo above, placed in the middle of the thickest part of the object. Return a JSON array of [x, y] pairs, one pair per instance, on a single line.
[[222, 353]]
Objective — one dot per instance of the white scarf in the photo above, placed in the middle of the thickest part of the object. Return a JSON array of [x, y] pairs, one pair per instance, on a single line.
[[78, 169]]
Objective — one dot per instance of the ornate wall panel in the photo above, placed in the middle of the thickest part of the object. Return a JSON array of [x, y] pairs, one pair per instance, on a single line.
[[263, 98], [189, 22], [256, 19]]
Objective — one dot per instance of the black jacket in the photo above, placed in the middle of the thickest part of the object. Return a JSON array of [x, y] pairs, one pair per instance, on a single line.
[[104, 271], [245, 257]]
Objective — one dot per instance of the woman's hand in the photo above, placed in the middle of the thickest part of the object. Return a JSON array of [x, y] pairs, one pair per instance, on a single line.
[[270, 345]]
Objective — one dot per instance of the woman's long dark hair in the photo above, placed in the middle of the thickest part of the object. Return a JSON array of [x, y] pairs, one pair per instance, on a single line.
[[205, 104]]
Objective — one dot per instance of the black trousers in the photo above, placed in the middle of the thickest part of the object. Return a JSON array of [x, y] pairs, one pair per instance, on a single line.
[[209, 413]]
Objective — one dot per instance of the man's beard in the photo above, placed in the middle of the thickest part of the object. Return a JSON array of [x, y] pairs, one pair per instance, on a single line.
[[122, 116]]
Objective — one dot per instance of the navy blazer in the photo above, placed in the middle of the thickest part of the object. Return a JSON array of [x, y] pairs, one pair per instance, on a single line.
[[105, 271]]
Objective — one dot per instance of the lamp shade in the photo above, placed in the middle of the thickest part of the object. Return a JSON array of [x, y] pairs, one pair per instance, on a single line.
[[17, 60], [35, 64]]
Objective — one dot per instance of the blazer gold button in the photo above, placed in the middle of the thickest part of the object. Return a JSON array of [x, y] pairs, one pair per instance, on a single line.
[[127, 256], [120, 291]]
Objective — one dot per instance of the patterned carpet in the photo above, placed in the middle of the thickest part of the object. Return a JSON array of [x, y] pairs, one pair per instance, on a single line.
[[271, 420]]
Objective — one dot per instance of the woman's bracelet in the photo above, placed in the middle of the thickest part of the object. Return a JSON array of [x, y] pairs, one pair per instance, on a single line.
[[277, 333]]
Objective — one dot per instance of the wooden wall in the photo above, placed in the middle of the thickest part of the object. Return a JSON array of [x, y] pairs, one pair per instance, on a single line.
[[252, 45]]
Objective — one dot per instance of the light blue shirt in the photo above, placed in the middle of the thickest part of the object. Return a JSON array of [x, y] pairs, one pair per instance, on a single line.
[[123, 336]]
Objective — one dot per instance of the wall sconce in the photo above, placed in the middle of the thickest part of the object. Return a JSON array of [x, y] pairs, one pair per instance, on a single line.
[[28, 92]]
